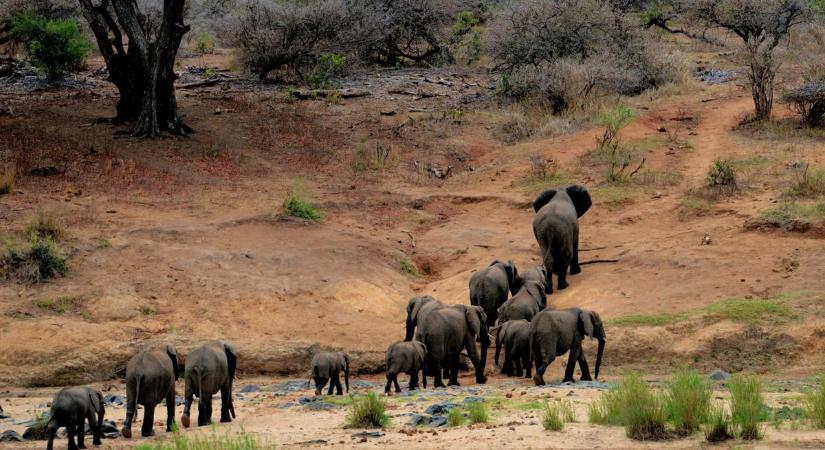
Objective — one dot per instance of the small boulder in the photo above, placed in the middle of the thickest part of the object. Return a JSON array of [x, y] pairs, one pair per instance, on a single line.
[[437, 421], [10, 436], [250, 388], [719, 375]]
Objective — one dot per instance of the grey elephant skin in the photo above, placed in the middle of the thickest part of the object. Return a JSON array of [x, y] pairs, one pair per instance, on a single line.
[[447, 331], [210, 368], [556, 228], [417, 310], [405, 357], [327, 367], [150, 379], [514, 338], [525, 304], [489, 287], [554, 333], [72, 406]]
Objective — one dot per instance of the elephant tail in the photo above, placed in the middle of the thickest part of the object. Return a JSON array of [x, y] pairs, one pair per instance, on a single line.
[[138, 381], [198, 378]]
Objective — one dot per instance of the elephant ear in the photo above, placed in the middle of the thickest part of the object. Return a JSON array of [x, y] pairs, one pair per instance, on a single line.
[[421, 349], [231, 359], [96, 400], [543, 199], [587, 322], [473, 319], [173, 355], [512, 277], [580, 197]]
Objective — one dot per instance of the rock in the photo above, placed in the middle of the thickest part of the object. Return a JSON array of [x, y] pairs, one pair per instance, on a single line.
[[179, 401], [10, 436], [46, 171], [719, 375], [113, 400], [361, 384], [437, 421], [289, 387], [110, 429], [368, 434], [417, 420], [472, 399], [250, 388], [388, 112], [440, 408]]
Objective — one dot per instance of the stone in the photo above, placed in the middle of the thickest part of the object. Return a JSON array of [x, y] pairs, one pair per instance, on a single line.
[[437, 421], [250, 388], [719, 375], [417, 420], [440, 408], [472, 399], [10, 436], [115, 400], [368, 434]]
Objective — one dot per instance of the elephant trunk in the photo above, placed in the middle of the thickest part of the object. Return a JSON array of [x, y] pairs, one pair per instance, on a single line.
[[599, 354], [410, 328]]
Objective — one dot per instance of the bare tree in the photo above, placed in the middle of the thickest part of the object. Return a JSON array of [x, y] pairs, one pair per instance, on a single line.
[[761, 25], [140, 55]]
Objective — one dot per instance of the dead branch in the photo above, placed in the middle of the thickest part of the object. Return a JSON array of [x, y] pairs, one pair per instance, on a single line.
[[599, 261]]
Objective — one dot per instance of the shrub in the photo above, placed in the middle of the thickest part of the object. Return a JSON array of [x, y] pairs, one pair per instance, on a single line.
[[746, 405], [199, 441], [687, 399], [478, 413], [408, 268], [295, 205], [721, 173], [620, 160], [632, 405], [807, 182], [381, 157], [555, 414], [329, 65], [55, 46], [203, 44], [45, 226], [465, 37], [815, 405], [808, 101], [516, 128], [455, 418], [718, 426], [41, 261], [367, 412], [39, 429]]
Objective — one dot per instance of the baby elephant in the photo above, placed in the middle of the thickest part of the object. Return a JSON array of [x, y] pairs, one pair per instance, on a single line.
[[209, 368], [405, 357], [70, 408], [326, 366], [514, 337]]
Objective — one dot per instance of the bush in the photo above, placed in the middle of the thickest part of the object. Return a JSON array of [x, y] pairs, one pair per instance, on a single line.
[[632, 405], [203, 44], [408, 268], [721, 173], [367, 412], [620, 160], [687, 400], [516, 128], [555, 414], [815, 405], [295, 205], [478, 413], [718, 427], [329, 65], [807, 182], [746, 405], [808, 101], [199, 441], [41, 261], [455, 418], [55, 46], [45, 226]]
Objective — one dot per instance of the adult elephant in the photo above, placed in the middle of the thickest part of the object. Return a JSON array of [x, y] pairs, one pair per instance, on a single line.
[[556, 227], [490, 286], [417, 310], [525, 304], [150, 379], [554, 333], [209, 368], [447, 331]]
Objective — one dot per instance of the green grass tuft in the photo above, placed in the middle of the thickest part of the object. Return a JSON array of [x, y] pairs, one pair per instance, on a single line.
[[746, 406], [790, 211], [687, 401], [478, 413], [815, 405], [46, 225], [633, 405], [409, 268], [367, 412], [651, 320], [295, 205], [200, 441], [455, 418], [40, 261], [718, 428], [752, 311], [555, 414]]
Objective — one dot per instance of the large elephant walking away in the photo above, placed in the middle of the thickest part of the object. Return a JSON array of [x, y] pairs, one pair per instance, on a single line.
[[72, 406], [490, 286], [554, 333], [209, 368], [417, 310], [150, 379], [447, 331], [327, 366], [556, 227]]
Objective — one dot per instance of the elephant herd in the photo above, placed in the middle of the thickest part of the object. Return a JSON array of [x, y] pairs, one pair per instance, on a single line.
[[512, 305], [150, 380]]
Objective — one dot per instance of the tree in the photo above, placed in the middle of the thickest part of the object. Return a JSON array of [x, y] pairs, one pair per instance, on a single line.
[[761, 25], [142, 66]]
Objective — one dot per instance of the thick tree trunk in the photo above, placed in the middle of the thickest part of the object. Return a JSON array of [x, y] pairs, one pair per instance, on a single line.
[[143, 70]]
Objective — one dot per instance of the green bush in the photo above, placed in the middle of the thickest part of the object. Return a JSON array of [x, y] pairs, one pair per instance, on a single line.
[[455, 418], [633, 405], [721, 173], [718, 427], [367, 412], [815, 405], [55, 46], [203, 44], [329, 65], [556, 414], [199, 441], [40, 261], [408, 268], [687, 400], [295, 205], [478, 413], [746, 406]]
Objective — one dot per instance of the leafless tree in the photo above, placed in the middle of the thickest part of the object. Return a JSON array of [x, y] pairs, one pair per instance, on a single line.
[[140, 54]]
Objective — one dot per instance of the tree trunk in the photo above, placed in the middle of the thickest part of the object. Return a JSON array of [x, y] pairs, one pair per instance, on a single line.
[[142, 71], [762, 73]]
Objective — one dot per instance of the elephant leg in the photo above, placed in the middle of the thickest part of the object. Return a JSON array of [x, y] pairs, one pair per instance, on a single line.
[[389, 383], [562, 276], [571, 362], [395, 381], [338, 389], [414, 380], [453, 380], [436, 365], [71, 429], [170, 410], [541, 367], [575, 268], [52, 432], [528, 365], [93, 424], [81, 432], [148, 420], [205, 410], [517, 369], [188, 395], [507, 368], [548, 265], [583, 366], [131, 409], [225, 396]]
